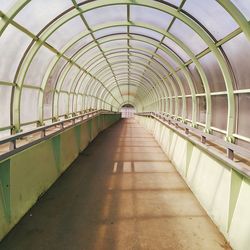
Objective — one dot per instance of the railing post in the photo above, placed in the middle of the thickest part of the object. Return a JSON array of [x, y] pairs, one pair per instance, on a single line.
[[203, 139], [230, 153], [42, 134], [12, 145]]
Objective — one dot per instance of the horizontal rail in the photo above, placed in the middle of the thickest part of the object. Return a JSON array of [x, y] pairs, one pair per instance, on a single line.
[[232, 150], [60, 125]]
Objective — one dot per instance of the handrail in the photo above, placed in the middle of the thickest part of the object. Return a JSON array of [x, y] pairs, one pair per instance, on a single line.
[[12, 140], [185, 130]]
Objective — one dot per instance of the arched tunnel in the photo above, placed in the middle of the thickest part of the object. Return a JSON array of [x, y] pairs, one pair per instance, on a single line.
[[124, 124]]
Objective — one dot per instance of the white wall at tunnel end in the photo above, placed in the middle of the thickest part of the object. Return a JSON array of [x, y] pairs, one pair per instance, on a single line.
[[223, 193]]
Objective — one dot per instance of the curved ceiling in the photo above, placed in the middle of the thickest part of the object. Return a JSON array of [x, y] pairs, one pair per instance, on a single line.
[[187, 58]]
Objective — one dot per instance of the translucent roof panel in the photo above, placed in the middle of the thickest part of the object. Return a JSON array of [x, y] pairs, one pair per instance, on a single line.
[[70, 77], [184, 82], [213, 73], [5, 5], [66, 32], [142, 45], [166, 57], [219, 111], [38, 66], [114, 44], [55, 73], [63, 103], [176, 48], [110, 31], [188, 36], [146, 32], [41, 12], [243, 123], [238, 52], [88, 55], [48, 98], [79, 102], [198, 85], [29, 102], [79, 45], [201, 109], [10, 55], [5, 101], [212, 15], [243, 6], [150, 16], [71, 103], [106, 15]]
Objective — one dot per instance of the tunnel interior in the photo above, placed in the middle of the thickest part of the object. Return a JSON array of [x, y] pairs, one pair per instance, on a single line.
[[180, 68], [188, 59]]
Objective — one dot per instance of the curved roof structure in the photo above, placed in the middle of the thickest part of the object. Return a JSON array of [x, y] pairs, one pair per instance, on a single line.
[[187, 58]]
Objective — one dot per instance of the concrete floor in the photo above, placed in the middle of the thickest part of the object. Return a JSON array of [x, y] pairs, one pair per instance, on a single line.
[[121, 193]]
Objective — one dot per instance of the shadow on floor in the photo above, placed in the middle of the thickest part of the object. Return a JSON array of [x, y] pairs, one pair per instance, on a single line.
[[120, 193]]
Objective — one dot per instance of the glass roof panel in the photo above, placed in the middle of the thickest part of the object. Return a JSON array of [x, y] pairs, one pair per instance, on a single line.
[[176, 48], [121, 58], [184, 82], [238, 52], [63, 34], [5, 5], [48, 98], [145, 32], [41, 62], [143, 45], [41, 13], [199, 88], [70, 77], [78, 83], [188, 36], [88, 64], [63, 103], [5, 99], [150, 16], [100, 63], [243, 6], [10, 55], [213, 73], [106, 15], [114, 44], [167, 58], [55, 74], [108, 31], [88, 55], [213, 16], [29, 102], [78, 45], [122, 55], [79, 103]]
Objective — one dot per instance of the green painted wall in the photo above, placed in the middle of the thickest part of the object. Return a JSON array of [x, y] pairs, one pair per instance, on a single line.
[[28, 174], [223, 193]]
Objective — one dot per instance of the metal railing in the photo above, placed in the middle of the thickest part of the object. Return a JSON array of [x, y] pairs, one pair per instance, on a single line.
[[43, 132], [206, 141]]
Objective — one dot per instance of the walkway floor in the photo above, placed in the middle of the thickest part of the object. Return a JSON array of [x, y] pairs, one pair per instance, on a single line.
[[121, 193]]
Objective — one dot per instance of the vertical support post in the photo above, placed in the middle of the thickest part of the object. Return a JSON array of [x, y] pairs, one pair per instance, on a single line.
[[203, 139], [230, 153], [12, 145]]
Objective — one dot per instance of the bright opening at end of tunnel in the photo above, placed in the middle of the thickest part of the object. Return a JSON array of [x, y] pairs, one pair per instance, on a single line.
[[127, 111]]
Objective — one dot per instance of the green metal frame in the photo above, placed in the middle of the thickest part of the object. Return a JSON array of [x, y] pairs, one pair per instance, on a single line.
[[99, 88]]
